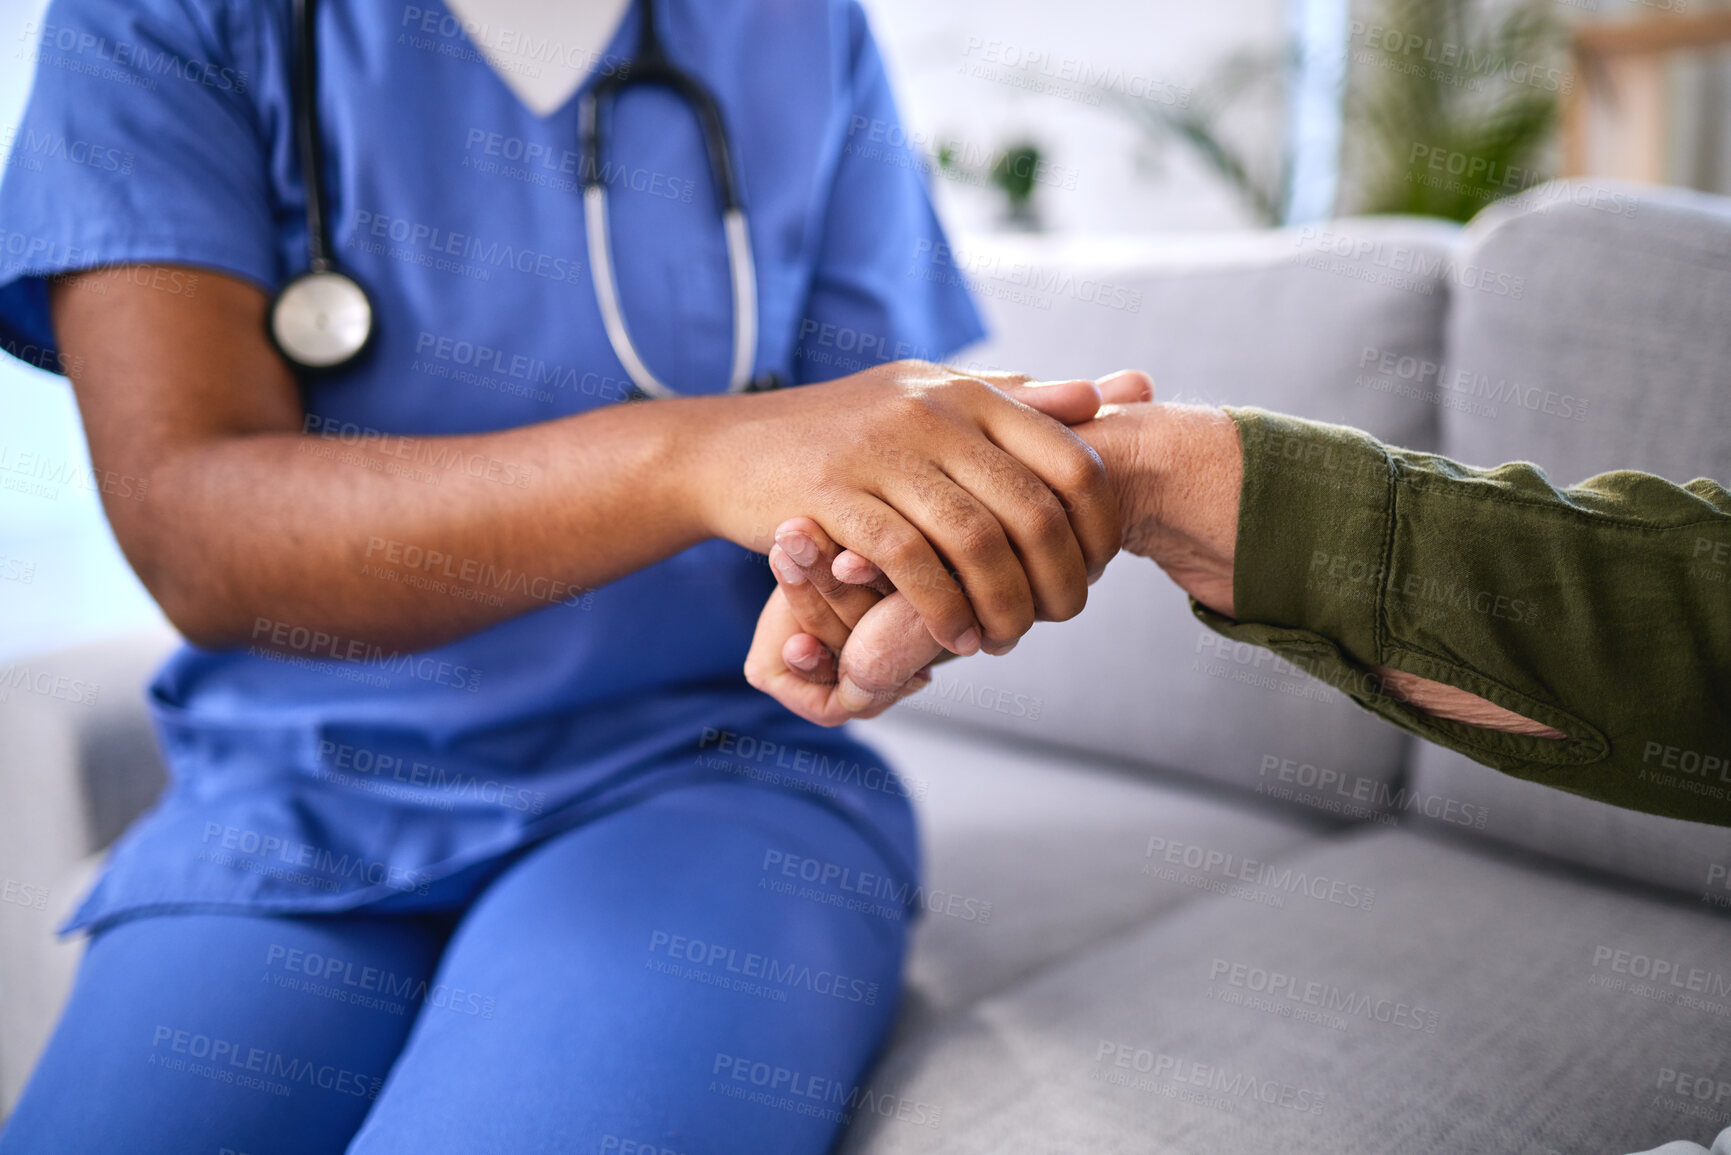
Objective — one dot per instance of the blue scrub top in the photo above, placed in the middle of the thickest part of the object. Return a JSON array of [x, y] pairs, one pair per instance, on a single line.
[[337, 775]]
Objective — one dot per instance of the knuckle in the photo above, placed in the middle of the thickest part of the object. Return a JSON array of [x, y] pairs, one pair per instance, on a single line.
[[866, 525], [1101, 542], [910, 401], [1095, 555], [873, 673], [934, 578], [881, 676], [1048, 525], [826, 586], [968, 390], [1013, 627], [978, 539], [1069, 601], [1082, 473], [755, 673], [1006, 613], [902, 551]]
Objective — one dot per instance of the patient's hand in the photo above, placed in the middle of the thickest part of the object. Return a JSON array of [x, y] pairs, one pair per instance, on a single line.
[[811, 617]]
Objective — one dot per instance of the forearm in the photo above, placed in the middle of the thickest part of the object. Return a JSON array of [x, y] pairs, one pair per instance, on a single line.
[[256, 515], [408, 541], [1589, 610], [1180, 473]]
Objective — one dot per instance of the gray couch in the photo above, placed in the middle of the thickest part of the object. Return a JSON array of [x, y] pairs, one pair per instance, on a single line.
[[1181, 897]]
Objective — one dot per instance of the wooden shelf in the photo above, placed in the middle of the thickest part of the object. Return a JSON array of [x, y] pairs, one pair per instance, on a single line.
[[1619, 101], [1654, 34]]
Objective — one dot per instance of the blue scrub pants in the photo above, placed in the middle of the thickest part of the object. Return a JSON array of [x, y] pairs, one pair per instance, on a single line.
[[653, 982]]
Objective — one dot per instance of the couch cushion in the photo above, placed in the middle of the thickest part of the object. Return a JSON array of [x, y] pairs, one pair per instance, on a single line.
[[1324, 323], [1032, 855], [1613, 357], [1281, 319], [1482, 1003], [1137, 677], [1690, 857]]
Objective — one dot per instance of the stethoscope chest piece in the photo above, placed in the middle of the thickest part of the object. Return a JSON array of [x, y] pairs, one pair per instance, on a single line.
[[321, 320]]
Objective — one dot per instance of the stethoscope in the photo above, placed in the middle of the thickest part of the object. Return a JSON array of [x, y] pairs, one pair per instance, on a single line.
[[323, 320]]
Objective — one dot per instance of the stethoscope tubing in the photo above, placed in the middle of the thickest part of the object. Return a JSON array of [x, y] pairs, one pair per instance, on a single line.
[[307, 135], [744, 283], [650, 67]]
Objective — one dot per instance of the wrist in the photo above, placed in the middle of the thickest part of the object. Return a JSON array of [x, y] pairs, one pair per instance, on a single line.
[[1177, 470], [704, 461]]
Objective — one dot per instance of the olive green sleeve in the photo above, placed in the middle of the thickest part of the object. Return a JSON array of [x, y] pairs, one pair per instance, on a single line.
[[1603, 610]]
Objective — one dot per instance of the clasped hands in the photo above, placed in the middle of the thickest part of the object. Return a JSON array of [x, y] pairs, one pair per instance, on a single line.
[[849, 632], [841, 638]]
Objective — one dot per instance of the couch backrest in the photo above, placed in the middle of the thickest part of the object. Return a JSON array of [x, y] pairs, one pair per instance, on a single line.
[[1616, 354], [1324, 323]]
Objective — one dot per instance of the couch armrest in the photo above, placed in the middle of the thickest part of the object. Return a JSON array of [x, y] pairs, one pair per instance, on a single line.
[[78, 762]]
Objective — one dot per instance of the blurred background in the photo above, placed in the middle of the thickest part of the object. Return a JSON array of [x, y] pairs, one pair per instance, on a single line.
[[1101, 116]]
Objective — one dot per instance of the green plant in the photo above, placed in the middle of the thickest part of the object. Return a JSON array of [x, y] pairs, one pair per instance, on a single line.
[[1454, 105], [1014, 172], [1450, 105], [1199, 124]]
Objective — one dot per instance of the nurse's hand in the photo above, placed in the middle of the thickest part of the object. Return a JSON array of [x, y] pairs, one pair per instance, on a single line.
[[984, 513]]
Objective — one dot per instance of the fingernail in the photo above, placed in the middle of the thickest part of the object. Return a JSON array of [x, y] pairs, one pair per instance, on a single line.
[[850, 568], [968, 643], [784, 568], [1146, 393], [806, 664], [1000, 651], [852, 698], [799, 547]]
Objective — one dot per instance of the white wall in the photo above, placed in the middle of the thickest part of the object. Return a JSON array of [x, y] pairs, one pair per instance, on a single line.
[[62, 579], [936, 47]]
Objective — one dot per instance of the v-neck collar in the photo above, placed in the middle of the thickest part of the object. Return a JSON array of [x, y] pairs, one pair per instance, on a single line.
[[624, 34]]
